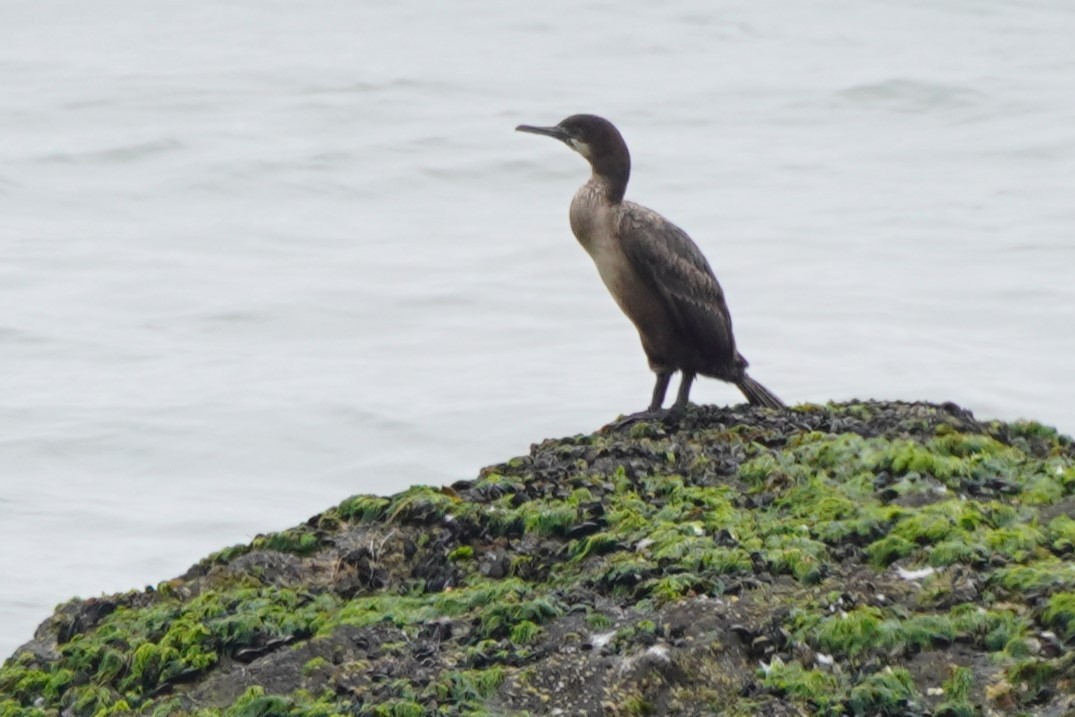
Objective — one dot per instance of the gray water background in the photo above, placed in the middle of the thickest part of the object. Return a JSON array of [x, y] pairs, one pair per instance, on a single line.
[[260, 256]]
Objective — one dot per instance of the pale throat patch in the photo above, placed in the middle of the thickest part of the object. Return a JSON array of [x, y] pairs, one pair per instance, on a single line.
[[579, 146]]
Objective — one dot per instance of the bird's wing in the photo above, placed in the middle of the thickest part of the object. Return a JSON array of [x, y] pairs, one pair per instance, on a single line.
[[673, 265]]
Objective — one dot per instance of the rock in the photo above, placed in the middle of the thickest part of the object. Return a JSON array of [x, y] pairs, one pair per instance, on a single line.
[[862, 558]]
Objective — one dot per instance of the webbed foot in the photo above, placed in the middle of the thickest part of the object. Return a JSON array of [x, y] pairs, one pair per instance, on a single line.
[[669, 417]]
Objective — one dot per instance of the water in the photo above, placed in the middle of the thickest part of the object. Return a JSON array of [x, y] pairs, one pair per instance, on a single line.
[[262, 256]]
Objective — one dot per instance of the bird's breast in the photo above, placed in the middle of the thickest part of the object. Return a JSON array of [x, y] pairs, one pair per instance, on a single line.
[[590, 215], [594, 225]]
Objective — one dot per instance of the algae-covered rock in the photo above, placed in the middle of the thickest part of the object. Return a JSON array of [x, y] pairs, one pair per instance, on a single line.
[[862, 558]]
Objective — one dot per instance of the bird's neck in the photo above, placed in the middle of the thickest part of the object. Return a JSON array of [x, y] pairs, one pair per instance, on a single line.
[[611, 171], [589, 214], [609, 186]]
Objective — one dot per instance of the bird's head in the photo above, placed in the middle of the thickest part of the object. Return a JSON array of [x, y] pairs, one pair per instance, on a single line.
[[596, 139]]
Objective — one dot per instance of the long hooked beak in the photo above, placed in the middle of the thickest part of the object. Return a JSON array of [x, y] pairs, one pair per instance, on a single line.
[[554, 132]]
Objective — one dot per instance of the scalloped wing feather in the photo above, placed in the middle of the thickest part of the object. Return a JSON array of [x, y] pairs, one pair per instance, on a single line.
[[673, 265]]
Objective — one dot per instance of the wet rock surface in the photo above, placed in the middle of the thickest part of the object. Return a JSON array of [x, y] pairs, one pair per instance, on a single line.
[[860, 558]]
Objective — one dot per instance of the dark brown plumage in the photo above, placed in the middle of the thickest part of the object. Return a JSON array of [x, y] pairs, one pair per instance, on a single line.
[[654, 271]]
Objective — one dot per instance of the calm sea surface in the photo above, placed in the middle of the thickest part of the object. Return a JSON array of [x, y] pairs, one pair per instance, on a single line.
[[260, 256]]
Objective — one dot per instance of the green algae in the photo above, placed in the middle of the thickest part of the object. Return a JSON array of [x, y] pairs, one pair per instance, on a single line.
[[957, 695], [300, 541], [503, 618], [889, 692], [738, 539], [314, 665], [1061, 535], [363, 508], [422, 504], [1059, 615], [870, 631], [1043, 574], [463, 552], [255, 703], [823, 691]]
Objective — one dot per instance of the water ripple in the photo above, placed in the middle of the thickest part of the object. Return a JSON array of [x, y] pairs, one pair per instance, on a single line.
[[905, 95]]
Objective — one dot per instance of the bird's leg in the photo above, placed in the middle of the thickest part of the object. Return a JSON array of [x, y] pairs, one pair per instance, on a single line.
[[654, 412], [659, 389], [683, 396]]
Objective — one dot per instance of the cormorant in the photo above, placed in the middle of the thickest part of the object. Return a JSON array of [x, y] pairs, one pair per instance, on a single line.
[[653, 270]]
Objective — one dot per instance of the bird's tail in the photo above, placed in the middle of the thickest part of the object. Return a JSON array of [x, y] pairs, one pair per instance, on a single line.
[[757, 394]]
